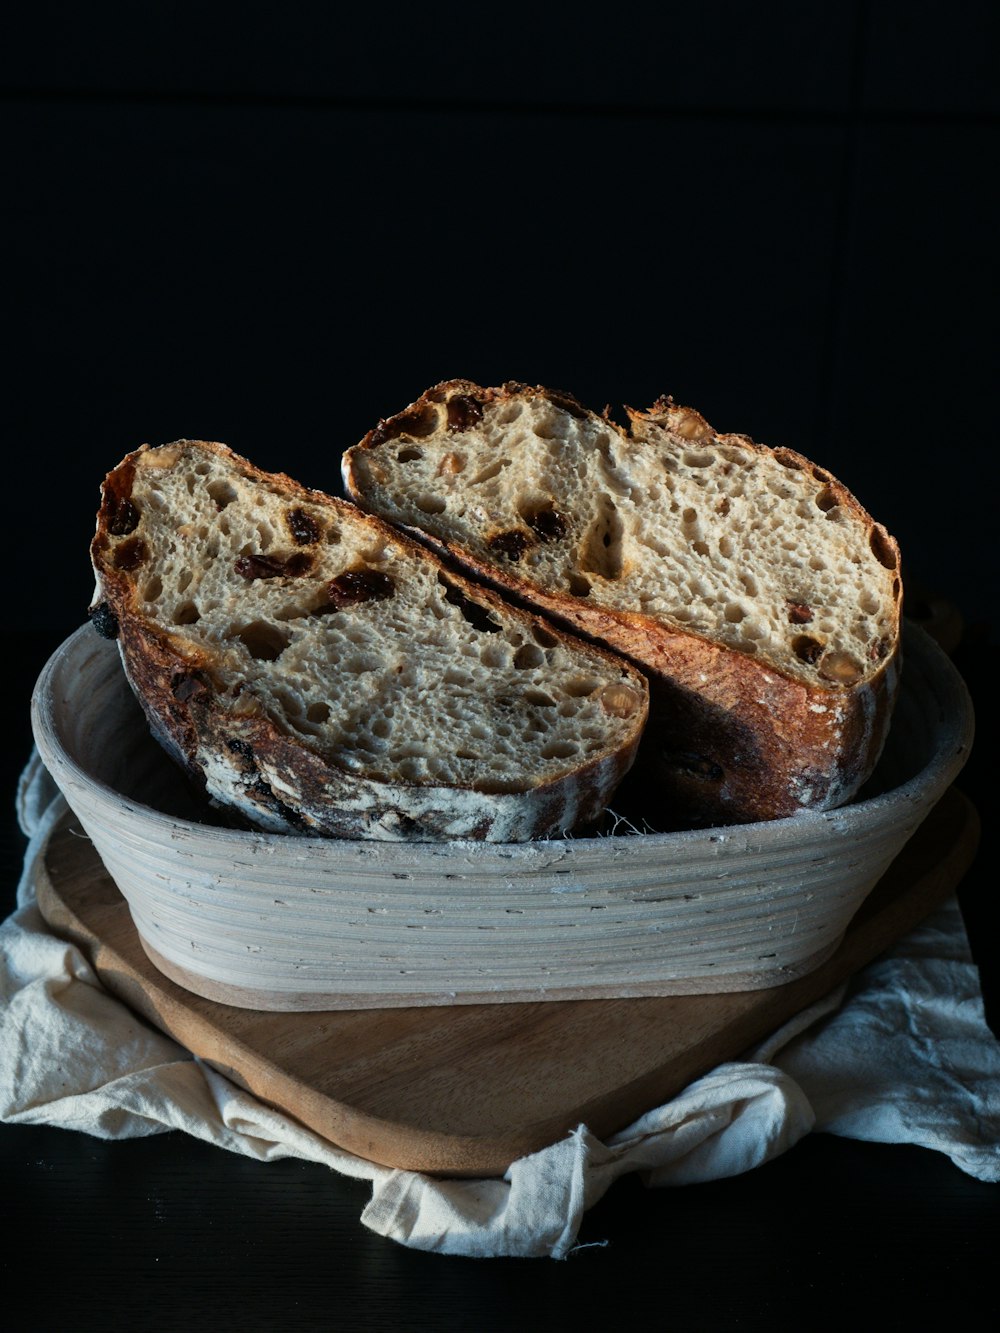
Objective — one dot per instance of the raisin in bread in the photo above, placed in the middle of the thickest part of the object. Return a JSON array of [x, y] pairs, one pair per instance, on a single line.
[[751, 587], [318, 672]]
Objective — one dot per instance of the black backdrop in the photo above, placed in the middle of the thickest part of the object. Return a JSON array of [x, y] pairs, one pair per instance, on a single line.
[[273, 224]]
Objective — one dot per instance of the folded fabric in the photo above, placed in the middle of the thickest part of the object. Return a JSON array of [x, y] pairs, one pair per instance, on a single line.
[[901, 1054]]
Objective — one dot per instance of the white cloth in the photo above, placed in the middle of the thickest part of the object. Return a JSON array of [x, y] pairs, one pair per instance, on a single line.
[[901, 1055]]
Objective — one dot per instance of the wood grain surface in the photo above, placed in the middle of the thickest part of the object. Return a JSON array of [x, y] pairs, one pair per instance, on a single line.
[[466, 1091]]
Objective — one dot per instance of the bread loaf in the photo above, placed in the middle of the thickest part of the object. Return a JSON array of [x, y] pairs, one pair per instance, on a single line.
[[752, 588], [317, 672]]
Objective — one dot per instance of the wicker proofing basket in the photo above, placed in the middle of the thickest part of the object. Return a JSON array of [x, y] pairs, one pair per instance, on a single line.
[[270, 921]]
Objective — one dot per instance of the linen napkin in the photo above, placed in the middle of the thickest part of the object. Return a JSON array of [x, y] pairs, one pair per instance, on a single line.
[[900, 1054]]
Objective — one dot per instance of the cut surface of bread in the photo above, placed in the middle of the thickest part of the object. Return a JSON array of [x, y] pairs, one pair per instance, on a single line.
[[749, 584], [319, 672]]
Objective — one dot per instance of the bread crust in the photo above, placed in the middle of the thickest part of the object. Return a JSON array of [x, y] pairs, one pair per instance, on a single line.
[[731, 738], [259, 772]]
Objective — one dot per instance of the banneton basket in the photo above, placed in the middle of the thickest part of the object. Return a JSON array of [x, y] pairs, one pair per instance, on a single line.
[[277, 922]]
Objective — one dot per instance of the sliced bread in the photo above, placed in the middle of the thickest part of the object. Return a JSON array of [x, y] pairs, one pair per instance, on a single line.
[[317, 672], [752, 588]]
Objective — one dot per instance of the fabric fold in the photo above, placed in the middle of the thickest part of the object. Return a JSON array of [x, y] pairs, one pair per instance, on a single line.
[[900, 1054]]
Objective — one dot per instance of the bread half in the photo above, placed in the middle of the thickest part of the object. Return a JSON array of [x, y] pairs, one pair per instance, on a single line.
[[317, 672], [752, 588]]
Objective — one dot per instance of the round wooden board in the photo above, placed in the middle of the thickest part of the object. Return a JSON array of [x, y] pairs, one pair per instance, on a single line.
[[467, 1090]]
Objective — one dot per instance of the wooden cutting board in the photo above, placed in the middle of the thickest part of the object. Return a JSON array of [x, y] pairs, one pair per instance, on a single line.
[[468, 1090]]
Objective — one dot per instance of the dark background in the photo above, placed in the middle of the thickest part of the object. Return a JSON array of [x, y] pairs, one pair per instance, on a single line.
[[272, 225]]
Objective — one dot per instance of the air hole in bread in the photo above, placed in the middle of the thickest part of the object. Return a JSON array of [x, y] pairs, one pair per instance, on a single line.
[[222, 492], [263, 641], [319, 712], [490, 471], [825, 499], [153, 588], [787, 459], [547, 427], [620, 699], [582, 687], [543, 636], [601, 549], [559, 750], [430, 504], [689, 516], [700, 547], [266, 534], [381, 728], [869, 603], [882, 549], [579, 586], [186, 614], [409, 455], [494, 655], [735, 613], [699, 459], [807, 649], [539, 699], [841, 668], [528, 657]]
